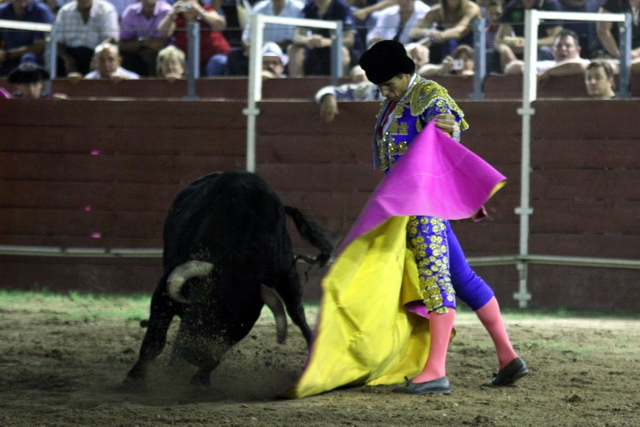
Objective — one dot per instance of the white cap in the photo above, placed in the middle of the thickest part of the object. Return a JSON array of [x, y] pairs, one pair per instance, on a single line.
[[272, 49]]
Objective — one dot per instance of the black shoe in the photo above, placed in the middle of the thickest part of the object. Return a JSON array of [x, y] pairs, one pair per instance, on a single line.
[[511, 373], [439, 386]]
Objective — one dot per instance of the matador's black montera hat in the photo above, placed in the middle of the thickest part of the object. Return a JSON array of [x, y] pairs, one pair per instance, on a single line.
[[386, 59]]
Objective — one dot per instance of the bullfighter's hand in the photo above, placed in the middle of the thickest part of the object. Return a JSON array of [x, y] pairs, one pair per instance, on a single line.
[[329, 108], [446, 123]]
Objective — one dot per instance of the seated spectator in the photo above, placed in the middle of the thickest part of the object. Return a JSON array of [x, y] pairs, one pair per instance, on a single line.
[[419, 53], [445, 26], [140, 40], [360, 89], [108, 62], [566, 58], [493, 13], [212, 22], [310, 52], [365, 16], [608, 32], [585, 30], [598, 79], [460, 63], [395, 22], [29, 79], [81, 25], [237, 63], [512, 23], [273, 61], [171, 63], [15, 44]]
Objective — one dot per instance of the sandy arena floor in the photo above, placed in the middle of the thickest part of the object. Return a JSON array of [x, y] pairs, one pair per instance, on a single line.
[[68, 373]]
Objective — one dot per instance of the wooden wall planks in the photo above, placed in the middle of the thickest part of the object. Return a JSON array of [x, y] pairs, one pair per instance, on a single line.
[[55, 192]]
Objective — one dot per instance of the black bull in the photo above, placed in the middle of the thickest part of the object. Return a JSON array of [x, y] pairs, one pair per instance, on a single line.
[[226, 249]]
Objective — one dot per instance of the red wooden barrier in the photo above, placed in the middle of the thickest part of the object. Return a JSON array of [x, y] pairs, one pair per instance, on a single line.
[[100, 173]]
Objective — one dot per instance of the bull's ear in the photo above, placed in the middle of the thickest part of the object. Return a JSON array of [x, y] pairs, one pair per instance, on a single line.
[[271, 298], [184, 272]]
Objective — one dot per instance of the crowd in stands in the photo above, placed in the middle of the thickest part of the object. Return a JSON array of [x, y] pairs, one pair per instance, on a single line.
[[127, 39]]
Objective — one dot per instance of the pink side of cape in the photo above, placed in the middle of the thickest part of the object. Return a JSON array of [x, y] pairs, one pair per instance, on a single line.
[[436, 176]]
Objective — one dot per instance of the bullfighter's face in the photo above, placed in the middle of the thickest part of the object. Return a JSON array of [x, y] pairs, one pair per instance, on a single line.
[[395, 88]]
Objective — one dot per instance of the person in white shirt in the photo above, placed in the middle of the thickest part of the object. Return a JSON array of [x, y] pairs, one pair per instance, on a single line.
[[566, 54], [81, 25], [395, 22], [108, 62]]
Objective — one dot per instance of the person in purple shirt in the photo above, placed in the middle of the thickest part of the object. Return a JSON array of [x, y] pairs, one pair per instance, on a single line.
[[310, 52], [16, 44], [140, 40]]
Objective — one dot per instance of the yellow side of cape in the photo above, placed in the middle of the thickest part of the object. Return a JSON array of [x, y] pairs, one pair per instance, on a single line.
[[364, 335]]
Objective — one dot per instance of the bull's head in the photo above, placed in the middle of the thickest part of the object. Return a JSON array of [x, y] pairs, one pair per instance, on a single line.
[[191, 269]]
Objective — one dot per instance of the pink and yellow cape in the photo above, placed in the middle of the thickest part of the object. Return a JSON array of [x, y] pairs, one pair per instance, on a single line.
[[365, 335]]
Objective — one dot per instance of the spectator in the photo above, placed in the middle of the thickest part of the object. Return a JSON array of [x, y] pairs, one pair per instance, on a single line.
[[29, 79], [395, 22], [14, 44], [108, 63], [586, 30], [140, 40], [365, 15], [446, 25], [598, 78], [493, 12], [171, 63], [212, 22], [81, 25], [460, 63], [273, 61], [608, 32], [512, 22], [310, 52], [238, 58], [419, 53], [360, 89], [566, 58]]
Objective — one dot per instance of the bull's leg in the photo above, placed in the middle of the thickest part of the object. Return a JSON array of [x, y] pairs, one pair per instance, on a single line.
[[290, 290], [156, 337]]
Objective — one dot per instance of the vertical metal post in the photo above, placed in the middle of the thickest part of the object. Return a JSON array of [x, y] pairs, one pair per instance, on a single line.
[[529, 95], [193, 59], [480, 58], [255, 87], [625, 56], [51, 57], [336, 55]]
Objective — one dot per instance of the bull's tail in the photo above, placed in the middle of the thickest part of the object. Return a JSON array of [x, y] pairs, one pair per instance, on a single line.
[[314, 234]]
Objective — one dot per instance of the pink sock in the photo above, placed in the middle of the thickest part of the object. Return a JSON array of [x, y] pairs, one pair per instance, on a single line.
[[491, 318], [440, 326]]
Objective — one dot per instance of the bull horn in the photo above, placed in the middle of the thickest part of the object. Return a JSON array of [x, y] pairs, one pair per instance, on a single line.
[[184, 272], [273, 301]]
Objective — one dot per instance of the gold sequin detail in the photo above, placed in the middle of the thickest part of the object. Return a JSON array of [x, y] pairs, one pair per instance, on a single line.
[[426, 237]]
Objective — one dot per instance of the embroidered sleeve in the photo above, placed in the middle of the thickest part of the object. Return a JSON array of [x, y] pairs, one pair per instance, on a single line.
[[430, 99]]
